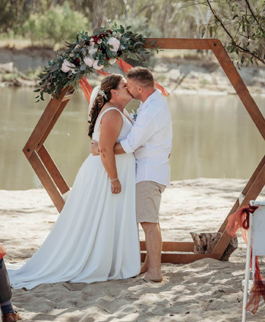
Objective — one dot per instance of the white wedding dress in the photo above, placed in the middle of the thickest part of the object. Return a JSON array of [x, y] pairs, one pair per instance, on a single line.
[[95, 237]]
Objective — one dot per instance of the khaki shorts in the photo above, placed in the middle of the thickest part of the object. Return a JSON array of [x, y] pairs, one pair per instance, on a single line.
[[148, 199]]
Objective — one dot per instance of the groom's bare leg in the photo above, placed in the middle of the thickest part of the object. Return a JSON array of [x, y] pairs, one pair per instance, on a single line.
[[144, 267], [153, 243]]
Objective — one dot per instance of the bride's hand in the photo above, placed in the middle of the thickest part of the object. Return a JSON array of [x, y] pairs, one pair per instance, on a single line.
[[115, 186], [94, 148]]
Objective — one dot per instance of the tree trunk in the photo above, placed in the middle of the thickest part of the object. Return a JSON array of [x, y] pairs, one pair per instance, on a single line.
[[98, 16]]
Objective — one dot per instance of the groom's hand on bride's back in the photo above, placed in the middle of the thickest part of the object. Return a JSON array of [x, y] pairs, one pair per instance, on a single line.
[[94, 148]]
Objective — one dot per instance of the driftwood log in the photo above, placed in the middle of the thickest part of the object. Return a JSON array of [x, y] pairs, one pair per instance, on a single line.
[[204, 243]]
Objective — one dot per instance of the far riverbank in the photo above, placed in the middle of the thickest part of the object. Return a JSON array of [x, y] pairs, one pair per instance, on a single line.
[[193, 73]]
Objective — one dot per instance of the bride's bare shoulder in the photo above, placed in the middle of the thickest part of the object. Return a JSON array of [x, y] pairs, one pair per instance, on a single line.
[[111, 115]]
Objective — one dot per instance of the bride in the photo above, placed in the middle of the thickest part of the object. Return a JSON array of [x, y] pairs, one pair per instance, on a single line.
[[95, 237]]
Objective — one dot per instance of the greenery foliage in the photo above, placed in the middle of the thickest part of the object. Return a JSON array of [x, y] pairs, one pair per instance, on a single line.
[[240, 25], [89, 54], [57, 25]]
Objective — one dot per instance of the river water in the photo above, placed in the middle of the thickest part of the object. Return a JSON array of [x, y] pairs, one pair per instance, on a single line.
[[214, 137]]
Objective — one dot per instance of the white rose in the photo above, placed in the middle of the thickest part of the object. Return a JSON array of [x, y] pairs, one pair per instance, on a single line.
[[66, 66], [122, 47], [99, 41], [88, 61], [96, 66], [91, 39], [115, 43], [92, 50], [112, 61]]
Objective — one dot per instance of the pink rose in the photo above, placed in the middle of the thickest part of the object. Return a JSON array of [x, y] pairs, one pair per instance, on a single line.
[[115, 43], [67, 66], [96, 66], [88, 61]]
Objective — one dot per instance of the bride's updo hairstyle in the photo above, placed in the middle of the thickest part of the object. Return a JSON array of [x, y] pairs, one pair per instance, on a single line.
[[107, 84]]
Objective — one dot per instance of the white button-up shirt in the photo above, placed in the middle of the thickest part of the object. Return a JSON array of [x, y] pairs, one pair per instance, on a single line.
[[151, 140]]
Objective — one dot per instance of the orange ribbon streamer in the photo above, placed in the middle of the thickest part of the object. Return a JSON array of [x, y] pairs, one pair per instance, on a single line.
[[86, 88], [103, 73]]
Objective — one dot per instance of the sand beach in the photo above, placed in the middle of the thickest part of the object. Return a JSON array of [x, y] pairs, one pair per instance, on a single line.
[[205, 290]]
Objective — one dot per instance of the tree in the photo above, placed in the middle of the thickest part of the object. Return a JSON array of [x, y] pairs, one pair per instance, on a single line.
[[240, 24]]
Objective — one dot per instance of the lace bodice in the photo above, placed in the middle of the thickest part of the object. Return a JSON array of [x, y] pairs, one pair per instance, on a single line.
[[126, 126]]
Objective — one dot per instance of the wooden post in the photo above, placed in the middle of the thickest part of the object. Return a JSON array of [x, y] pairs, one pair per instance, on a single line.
[[55, 184]]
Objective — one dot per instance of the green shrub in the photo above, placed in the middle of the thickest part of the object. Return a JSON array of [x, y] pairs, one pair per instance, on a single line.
[[59, 24]]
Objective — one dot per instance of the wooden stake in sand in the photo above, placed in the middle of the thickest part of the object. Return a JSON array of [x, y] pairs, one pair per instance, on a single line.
[[173, 252]]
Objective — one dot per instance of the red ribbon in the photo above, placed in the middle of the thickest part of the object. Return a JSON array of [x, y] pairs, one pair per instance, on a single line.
[[103, 73], [2, 251], [240, 219]]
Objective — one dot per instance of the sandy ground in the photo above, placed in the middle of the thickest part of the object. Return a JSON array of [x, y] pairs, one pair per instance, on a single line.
[[206, 290]]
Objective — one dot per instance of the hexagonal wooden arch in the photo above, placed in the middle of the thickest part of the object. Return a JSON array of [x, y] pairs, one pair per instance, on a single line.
[[54, 183]]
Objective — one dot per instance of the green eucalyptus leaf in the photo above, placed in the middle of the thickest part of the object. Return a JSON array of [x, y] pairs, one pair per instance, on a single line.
[[138, 43], [83, 67], [84, 51], [97, 31], [52, 68]]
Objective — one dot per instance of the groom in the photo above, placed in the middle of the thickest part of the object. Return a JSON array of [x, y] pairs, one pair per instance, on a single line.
[[151, 140]]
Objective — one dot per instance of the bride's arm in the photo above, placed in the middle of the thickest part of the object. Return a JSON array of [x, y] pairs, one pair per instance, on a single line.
[[111, 125], [95, 149]]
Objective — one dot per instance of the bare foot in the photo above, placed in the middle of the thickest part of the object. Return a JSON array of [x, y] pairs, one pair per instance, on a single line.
[[144, 268], [158, 277]]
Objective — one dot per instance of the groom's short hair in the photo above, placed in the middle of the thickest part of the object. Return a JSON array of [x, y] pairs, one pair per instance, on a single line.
[[141, 75]]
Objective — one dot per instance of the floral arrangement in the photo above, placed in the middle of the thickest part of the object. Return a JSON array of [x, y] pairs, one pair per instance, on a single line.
[[89, 54]]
